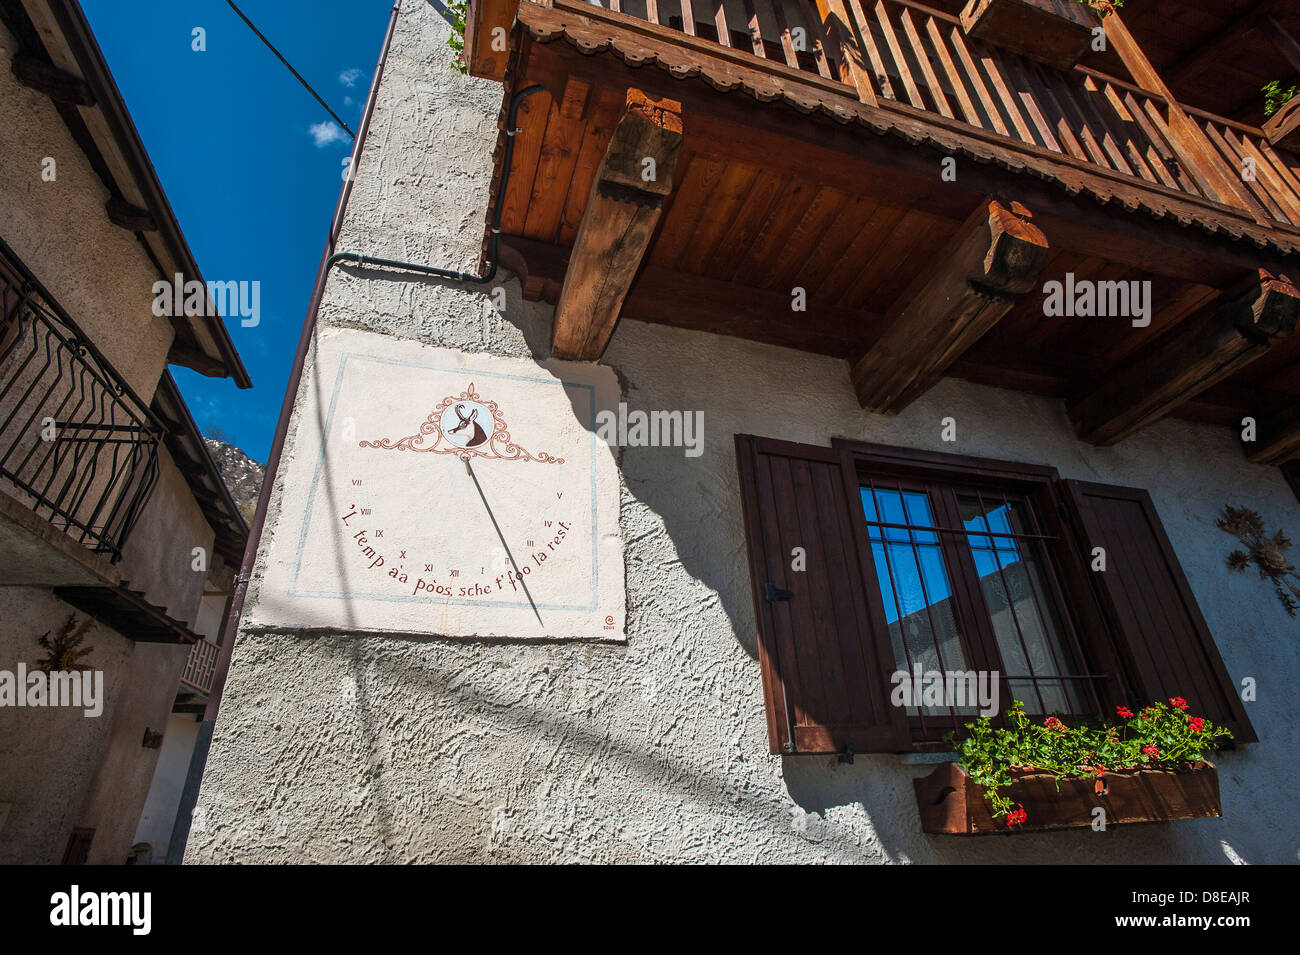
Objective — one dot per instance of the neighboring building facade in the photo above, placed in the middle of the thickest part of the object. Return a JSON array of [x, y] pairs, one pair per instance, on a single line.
[[116, 532], [707, 677]]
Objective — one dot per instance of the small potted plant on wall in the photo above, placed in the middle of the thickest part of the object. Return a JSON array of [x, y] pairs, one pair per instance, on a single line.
[[1056, 32], [1148, 766]]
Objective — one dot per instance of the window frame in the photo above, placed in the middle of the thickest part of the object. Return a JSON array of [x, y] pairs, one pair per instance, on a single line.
[[1039, 487]]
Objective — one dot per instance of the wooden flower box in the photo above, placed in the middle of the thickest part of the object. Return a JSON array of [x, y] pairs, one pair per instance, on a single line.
[[1283, 127], [1055, 32], [951, 804]]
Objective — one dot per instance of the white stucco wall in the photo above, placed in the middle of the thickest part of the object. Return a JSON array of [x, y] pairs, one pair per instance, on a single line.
[[60, 769], [97, 271], [366, 749]]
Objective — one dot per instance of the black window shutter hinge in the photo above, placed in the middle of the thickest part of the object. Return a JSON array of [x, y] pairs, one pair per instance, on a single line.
[[772, 592]]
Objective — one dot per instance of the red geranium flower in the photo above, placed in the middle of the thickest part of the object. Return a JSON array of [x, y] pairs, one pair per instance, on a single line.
[[1016, 816], [1124, 712], [1150, 750], [1196, 724], [1178, 703], [1052, 723]]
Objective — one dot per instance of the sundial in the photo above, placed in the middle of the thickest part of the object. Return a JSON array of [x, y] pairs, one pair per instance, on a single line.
[[432, 491]]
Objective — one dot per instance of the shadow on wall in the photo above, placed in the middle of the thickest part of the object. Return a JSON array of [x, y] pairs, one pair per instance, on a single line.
[[683, 528]]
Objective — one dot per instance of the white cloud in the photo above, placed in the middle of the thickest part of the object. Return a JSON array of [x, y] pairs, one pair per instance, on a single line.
[[325, 133], [350, 77]]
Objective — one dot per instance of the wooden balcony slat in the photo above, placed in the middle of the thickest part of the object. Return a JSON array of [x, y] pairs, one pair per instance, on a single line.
[[1068, 118], [844, 45], [873, 53], [688, 18], [977, 84], [1234, 155], [1092, 131], [652, 11], [1158, 155], [900, 61], [1028, 92], [1276, 184], [720, 21], [923, 60], [1094, 105], [1292, 179], [816, 30], [1127, 127], [755, 31], [1007, 100], [1189, 179], [969, 112], [783, 25]]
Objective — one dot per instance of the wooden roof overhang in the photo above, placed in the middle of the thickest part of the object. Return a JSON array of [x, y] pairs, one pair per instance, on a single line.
[[59, 57], [779, 178]]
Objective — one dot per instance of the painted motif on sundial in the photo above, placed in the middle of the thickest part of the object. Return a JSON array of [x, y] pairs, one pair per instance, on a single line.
[[432, 491]]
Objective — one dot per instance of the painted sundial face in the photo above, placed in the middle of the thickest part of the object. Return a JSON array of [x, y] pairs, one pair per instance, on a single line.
[[454, 495]]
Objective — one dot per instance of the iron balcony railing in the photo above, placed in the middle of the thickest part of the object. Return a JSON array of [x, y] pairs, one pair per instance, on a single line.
[[77, 445]]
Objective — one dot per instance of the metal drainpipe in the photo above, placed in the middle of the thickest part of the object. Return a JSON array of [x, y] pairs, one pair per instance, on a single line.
[[198, 761]]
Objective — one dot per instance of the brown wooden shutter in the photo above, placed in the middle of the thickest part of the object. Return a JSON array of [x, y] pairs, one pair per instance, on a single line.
[[1160, 630], [824, 650]]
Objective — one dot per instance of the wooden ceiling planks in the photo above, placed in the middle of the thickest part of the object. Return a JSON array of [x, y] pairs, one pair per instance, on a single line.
[[760, 222]]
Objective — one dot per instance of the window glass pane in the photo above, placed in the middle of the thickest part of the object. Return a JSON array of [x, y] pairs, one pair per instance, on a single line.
[[1027, 624], [915, 586]]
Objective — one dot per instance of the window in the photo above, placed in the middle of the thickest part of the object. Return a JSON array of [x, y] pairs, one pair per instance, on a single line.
[[968, 583], [926, 562]]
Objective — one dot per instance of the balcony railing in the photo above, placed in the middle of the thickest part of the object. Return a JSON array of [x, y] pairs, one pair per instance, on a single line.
[[77, 446], [200, 667], [906, 57]]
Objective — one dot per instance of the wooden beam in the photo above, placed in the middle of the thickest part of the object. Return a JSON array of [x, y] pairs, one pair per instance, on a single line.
[[1277, 437], [45, 77], [994, 256], [683, 300], [1221, 340], [126, 215], [623, 209]]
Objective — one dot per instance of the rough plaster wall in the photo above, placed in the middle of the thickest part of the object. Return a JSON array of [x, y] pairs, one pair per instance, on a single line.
[[95, 270], [61, 769], [159, 813], [158, 556], [365, 749]]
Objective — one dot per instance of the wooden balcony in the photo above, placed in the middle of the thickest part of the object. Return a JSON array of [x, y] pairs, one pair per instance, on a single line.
[[200, 666], [863, 154]]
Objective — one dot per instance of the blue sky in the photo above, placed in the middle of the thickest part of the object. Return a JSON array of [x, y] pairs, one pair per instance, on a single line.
[[250, 162]]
